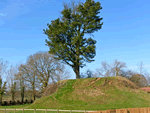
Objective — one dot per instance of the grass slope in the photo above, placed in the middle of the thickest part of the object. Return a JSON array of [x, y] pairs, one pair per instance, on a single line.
[[95, 94]]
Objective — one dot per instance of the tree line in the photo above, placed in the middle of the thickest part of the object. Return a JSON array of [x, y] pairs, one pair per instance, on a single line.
[[39, 70], [42, 69], [141, 78]]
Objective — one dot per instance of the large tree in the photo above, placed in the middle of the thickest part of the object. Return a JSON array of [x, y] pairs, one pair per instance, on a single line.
[[3, 67], [30, 76], [66, 34], [44, 66], [21, 82], [11, 82], [2, 89]]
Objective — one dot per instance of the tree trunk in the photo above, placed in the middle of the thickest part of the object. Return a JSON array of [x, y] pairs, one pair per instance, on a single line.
[[13, 96], [22, 94], [0, 99], [116, 71], [77, 71], [33, 93], [33, 96]]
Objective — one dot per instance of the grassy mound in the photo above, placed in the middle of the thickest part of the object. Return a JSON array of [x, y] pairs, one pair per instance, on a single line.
[[94, 94]]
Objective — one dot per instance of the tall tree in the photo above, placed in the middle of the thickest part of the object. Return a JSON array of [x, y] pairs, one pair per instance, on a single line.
[[30, 76], [11, 80], [21, 82], [66, 34], [13, 91], [44, 66], [3, 67]]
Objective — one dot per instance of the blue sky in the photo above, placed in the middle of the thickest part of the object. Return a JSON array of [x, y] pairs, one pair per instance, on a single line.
[[124, 36]]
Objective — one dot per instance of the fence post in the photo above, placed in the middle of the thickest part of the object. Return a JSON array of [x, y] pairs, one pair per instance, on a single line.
[[46, 111], [23, 111], [70, 111], [14, 110], [5, 110], [85, 111], [34, 110], [57, 110]]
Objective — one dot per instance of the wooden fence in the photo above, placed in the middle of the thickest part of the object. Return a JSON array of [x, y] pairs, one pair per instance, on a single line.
[[127, 110], [34, 110]]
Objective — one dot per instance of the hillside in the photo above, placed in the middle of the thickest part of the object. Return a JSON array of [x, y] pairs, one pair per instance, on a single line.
[[93, 94]]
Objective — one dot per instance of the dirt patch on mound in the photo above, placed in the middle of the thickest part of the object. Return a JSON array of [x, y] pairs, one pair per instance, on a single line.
[[93, 82]]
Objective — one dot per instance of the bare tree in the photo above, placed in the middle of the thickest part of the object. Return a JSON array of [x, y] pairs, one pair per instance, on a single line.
[[21, 82], [117, 66], [3, 67], [105, 70], [143, 72], [45, 66], [61, 73], [30, 76], [148, 78], [141, 68], [127, 74], [11, 80], [2, 89]]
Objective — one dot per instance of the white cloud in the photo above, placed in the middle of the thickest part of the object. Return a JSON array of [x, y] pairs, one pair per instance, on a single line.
[[2, 14]]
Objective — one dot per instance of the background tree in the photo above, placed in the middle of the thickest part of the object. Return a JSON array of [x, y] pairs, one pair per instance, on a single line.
[[117, 66], [139, 80], [87, 74], [13, 90], [104, 71], [44, 66], [21, 82], [3, 67], [61, 73], [66, 34], [11, 80], [141, 68], [2, 89], [30, 76], [127, 74]]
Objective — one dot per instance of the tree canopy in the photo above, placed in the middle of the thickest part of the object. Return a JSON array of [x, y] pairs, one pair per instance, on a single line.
[[66, 34]]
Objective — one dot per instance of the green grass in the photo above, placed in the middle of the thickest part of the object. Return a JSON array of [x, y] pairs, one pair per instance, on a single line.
[[117, 93]]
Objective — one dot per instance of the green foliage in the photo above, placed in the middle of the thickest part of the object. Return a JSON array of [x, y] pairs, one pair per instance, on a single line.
[[66, 35]]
